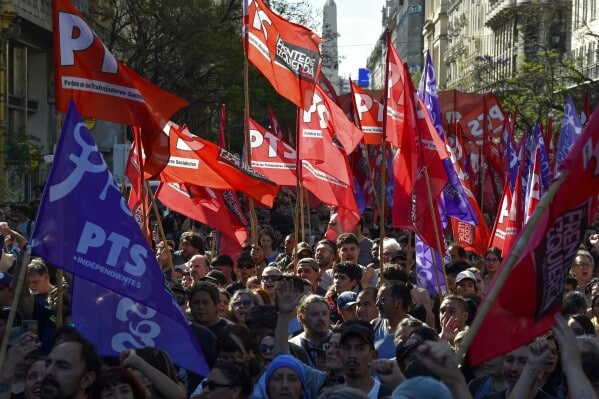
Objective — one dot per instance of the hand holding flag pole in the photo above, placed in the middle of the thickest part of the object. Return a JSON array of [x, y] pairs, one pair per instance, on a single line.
[[169, 255]]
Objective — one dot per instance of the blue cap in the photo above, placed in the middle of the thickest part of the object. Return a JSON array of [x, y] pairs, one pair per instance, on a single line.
[[346, 299], [421, 387]]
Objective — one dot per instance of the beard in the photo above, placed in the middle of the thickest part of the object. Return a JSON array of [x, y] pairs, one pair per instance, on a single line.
[[51, 389]]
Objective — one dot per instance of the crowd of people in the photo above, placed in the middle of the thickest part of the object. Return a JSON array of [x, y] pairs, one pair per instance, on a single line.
[[294, 319]]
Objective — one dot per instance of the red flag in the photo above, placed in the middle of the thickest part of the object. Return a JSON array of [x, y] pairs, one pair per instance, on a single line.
[[274, 124], [287, 54], [271, 156], [369, 114], [216, 208], [137, 202], [509, 218], [104, 88], [327, 137], [197, 161], [534, 186], [531, 296], [327, 87], [221, 136]]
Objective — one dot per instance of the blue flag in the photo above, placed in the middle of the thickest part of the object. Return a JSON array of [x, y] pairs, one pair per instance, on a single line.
[[539, 142], [570, 131], [455, 203], [85, 227], [427, 262]]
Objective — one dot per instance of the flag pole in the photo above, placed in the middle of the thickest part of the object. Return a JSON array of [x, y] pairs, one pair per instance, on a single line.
[[246, 119], [159, 223], [436, 229], [509, 264], [383, 164]]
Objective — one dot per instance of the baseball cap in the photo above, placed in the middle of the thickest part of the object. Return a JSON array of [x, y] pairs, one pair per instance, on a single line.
[[5, 280], [308, 262], [215, 276], [421, 387], [182, 268], [303, 246], [466, 274], [262, 316], [360, 328], [406, 346], [346, 299]]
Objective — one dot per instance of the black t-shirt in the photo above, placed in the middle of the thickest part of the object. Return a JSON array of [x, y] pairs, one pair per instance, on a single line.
[[217, 328]]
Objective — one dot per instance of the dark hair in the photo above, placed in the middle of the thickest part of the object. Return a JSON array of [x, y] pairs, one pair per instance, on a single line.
[[205, 286], [400, 290], [459, 299], [245, 257], [194, 240], [571, 280], [331, 245], [495, 251], [395, 273], [460, 249], [222, 260], [426, 333], [351, 269], [574, 302], [114, 376], [347, 238], [89, 354], [585, 323], [237, 375], [238, 338]]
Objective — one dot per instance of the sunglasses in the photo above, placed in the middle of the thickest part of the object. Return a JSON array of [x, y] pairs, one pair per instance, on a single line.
[[266, 348], [275, 277], [245, 303], [211, 385]]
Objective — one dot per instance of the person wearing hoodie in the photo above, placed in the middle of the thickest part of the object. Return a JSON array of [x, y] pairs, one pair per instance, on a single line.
[[284, 378]]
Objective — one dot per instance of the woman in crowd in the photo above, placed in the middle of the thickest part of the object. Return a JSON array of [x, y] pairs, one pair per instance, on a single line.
[[222, 308], [228, 380], [267, 243], [492, 261], [241, 303], [283, 378], [117, 383]]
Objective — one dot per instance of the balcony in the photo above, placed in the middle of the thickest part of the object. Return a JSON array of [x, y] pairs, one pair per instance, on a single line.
[[38, 12]]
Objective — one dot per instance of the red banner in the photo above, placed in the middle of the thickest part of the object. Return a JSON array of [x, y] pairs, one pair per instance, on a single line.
[[104, 88], [271, 156]]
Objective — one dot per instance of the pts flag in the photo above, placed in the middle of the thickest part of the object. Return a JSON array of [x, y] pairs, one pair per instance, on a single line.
[[285, 53], [104, 88]]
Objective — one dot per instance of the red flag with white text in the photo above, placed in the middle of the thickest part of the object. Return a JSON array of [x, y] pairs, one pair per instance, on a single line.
[[533, 292], [271, 156], [287, 54], [197, 161], [369, 113], [104, 88]]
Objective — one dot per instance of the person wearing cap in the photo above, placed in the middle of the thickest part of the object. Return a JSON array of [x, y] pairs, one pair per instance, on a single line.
[[216, 277], [303, 250], [346, 304], [307, 268], [421, 387], [356, 349], [406, 353], [466, 283], [225, 264]]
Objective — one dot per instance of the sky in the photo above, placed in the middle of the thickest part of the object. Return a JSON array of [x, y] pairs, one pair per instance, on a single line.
[[359, 27]]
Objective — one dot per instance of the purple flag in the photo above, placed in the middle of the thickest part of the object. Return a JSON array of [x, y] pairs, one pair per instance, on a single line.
[[85, 227], [427, 261], [510, 152], [539, 142], [455, 203], [570, 131]]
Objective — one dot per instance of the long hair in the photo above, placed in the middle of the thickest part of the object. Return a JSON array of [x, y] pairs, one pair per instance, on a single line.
[[115, 376]]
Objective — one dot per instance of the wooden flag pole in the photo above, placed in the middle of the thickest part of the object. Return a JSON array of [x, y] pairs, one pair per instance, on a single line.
[[18, 287], [383, 165], [159, 223], [435, 226], [510, 262]]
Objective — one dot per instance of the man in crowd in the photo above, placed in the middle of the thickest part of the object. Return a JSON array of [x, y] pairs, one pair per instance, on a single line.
[[71, 368], [348, 250], [325, 256], [198, 267], [38, 279], [356, 349], [453, 315], [307, 268], [393, 301], [224, 263], [190, 244], [313, 315], [366, 309], [203, 298], [346, 305]]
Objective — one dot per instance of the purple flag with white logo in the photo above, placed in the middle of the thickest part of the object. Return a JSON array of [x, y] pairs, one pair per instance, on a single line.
[[427, 261], [570, 131], [454, 199], [510, 152], [85, 227], [539, 142]]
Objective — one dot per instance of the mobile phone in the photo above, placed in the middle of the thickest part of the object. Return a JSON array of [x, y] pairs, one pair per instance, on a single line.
[[30, 325]]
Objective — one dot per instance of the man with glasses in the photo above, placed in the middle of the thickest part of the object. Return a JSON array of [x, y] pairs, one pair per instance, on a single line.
[[582, 270], [245, 267], [269, 279], [393, 301]]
